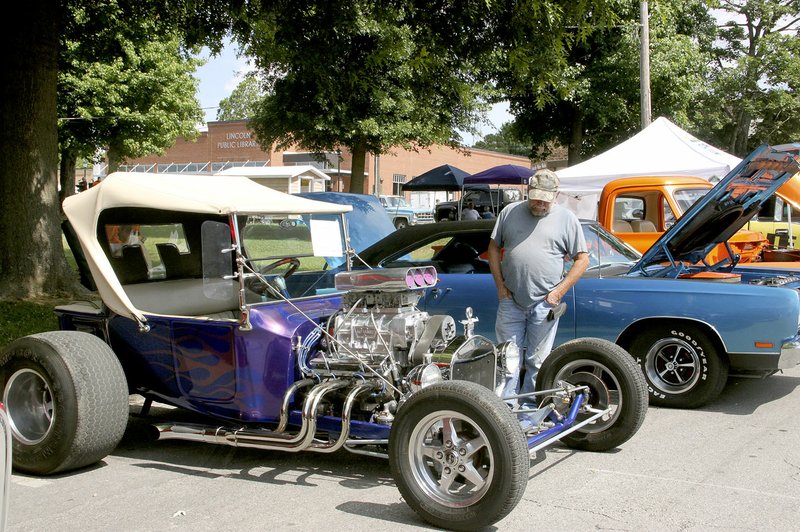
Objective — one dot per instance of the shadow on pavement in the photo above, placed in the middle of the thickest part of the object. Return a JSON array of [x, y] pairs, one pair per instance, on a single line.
[[742, 396], [207, 460]]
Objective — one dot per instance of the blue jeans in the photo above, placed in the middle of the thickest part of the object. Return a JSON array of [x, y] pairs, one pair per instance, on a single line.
[[534, 336]]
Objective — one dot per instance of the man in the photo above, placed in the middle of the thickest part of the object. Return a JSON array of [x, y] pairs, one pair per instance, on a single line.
[[469, 212], [535, 236]]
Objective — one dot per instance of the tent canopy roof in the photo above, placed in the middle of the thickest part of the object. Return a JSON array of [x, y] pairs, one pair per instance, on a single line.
[[662, 148], [444, 177]]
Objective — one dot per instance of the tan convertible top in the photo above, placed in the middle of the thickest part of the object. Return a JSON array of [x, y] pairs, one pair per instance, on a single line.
[[217, 195]]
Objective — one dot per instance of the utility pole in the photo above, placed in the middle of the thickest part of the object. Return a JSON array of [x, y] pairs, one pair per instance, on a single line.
[[377, 187], [644, 64]]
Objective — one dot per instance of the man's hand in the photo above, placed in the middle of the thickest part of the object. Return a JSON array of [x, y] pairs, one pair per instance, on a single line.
[[554, 296]]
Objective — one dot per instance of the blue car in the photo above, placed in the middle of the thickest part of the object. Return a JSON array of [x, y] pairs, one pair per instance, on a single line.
[[687, 323]]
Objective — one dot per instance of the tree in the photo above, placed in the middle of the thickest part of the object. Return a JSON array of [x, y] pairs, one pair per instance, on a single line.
[[243, 102], [753, 95], [361, 75], [595, 103], [136, 102], [32, 260], [375, 75], [504, 141]]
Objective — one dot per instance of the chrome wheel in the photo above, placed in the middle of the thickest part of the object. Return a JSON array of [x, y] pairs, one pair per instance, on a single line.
[[673, 365], [452, 459], [29, 403]]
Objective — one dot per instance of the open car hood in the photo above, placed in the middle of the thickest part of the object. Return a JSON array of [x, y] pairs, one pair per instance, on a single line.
[[726, 208]]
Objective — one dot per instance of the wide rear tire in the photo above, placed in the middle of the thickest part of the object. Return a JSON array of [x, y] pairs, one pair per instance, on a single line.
[[613, 379], [66, 398], [458, 455]]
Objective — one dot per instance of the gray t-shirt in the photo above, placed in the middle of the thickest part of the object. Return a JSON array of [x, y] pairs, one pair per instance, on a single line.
[[534, 249]]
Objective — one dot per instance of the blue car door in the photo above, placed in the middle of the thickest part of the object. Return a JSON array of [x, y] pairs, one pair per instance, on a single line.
[[457, 291]]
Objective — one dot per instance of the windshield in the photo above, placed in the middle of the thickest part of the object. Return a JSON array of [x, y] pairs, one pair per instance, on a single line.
[[686, 197], [604, 248], [308, 238], [394, 201]]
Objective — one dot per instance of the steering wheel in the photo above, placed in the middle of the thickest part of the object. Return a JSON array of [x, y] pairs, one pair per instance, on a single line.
[[468, 251], [271, 282], [294, 261]]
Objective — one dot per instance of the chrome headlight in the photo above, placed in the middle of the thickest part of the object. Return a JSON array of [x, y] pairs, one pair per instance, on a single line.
[[505, 351], [430, 375]]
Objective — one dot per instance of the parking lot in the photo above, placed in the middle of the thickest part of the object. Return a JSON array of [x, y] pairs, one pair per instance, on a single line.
[[732, 465]]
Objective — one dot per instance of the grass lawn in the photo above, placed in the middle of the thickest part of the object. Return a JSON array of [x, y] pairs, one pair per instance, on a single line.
[[20, 318]]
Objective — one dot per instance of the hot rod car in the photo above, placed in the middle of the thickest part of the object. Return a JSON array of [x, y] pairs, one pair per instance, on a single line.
[[199, 278]]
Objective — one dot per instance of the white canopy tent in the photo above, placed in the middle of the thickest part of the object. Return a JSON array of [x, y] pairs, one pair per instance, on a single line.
[[662, 148]]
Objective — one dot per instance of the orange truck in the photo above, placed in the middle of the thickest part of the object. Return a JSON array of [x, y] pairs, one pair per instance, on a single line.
[[639, 209]]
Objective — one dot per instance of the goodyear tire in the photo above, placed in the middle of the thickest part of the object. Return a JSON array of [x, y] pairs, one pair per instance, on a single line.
[[681, 366], [66, 398], [458, 455], [614, 381]]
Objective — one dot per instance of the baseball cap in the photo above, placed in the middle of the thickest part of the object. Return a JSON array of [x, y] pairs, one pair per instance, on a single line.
[[543, 186]]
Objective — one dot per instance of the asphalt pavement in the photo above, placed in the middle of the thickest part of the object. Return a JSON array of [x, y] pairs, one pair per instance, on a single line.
[[732, 465]]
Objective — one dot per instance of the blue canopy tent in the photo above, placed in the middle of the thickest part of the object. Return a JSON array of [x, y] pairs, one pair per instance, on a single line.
[[505, 174], [442, 178]]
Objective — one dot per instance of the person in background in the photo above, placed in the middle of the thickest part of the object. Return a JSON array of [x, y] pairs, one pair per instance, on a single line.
[[469, 212], [534, 236], [122, 235]]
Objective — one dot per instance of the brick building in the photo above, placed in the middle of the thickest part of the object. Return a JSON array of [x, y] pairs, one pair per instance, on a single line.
[[231, 143]]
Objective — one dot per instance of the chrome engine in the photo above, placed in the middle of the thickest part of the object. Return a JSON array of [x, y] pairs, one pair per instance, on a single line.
[[380, 327]]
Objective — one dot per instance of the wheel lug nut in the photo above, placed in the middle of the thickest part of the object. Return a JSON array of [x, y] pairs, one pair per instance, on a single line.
[[439, 455], [461, 468], [462, 451], [448, 443], [447, 471]]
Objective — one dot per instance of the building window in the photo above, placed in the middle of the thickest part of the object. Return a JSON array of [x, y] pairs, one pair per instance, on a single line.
[[397, 184]]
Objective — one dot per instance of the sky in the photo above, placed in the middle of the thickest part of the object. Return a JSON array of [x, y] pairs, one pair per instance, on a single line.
[[222, 73]]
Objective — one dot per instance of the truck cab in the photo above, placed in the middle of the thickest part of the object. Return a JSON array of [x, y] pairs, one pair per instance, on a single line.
[[488, 202], [639, 209], [402, 213]]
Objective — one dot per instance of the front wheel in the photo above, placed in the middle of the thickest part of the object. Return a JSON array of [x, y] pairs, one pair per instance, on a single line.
[[458, 455], [66, 398], [400, 223], [613, 380], [681, 366]]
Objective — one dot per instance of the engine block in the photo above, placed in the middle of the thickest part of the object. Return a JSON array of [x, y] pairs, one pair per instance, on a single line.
[[374, 335]]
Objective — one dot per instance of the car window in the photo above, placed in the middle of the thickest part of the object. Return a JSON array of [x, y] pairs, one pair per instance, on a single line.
[[686, 197], [156, 242], [605, 249], [666, 213], [628, 208]]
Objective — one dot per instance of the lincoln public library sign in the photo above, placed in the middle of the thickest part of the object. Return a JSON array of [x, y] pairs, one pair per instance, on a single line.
[[238, 139]]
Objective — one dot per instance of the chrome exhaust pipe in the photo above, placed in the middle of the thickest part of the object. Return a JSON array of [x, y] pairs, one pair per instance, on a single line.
[[330, 447], [257, 439], [287, 398]]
